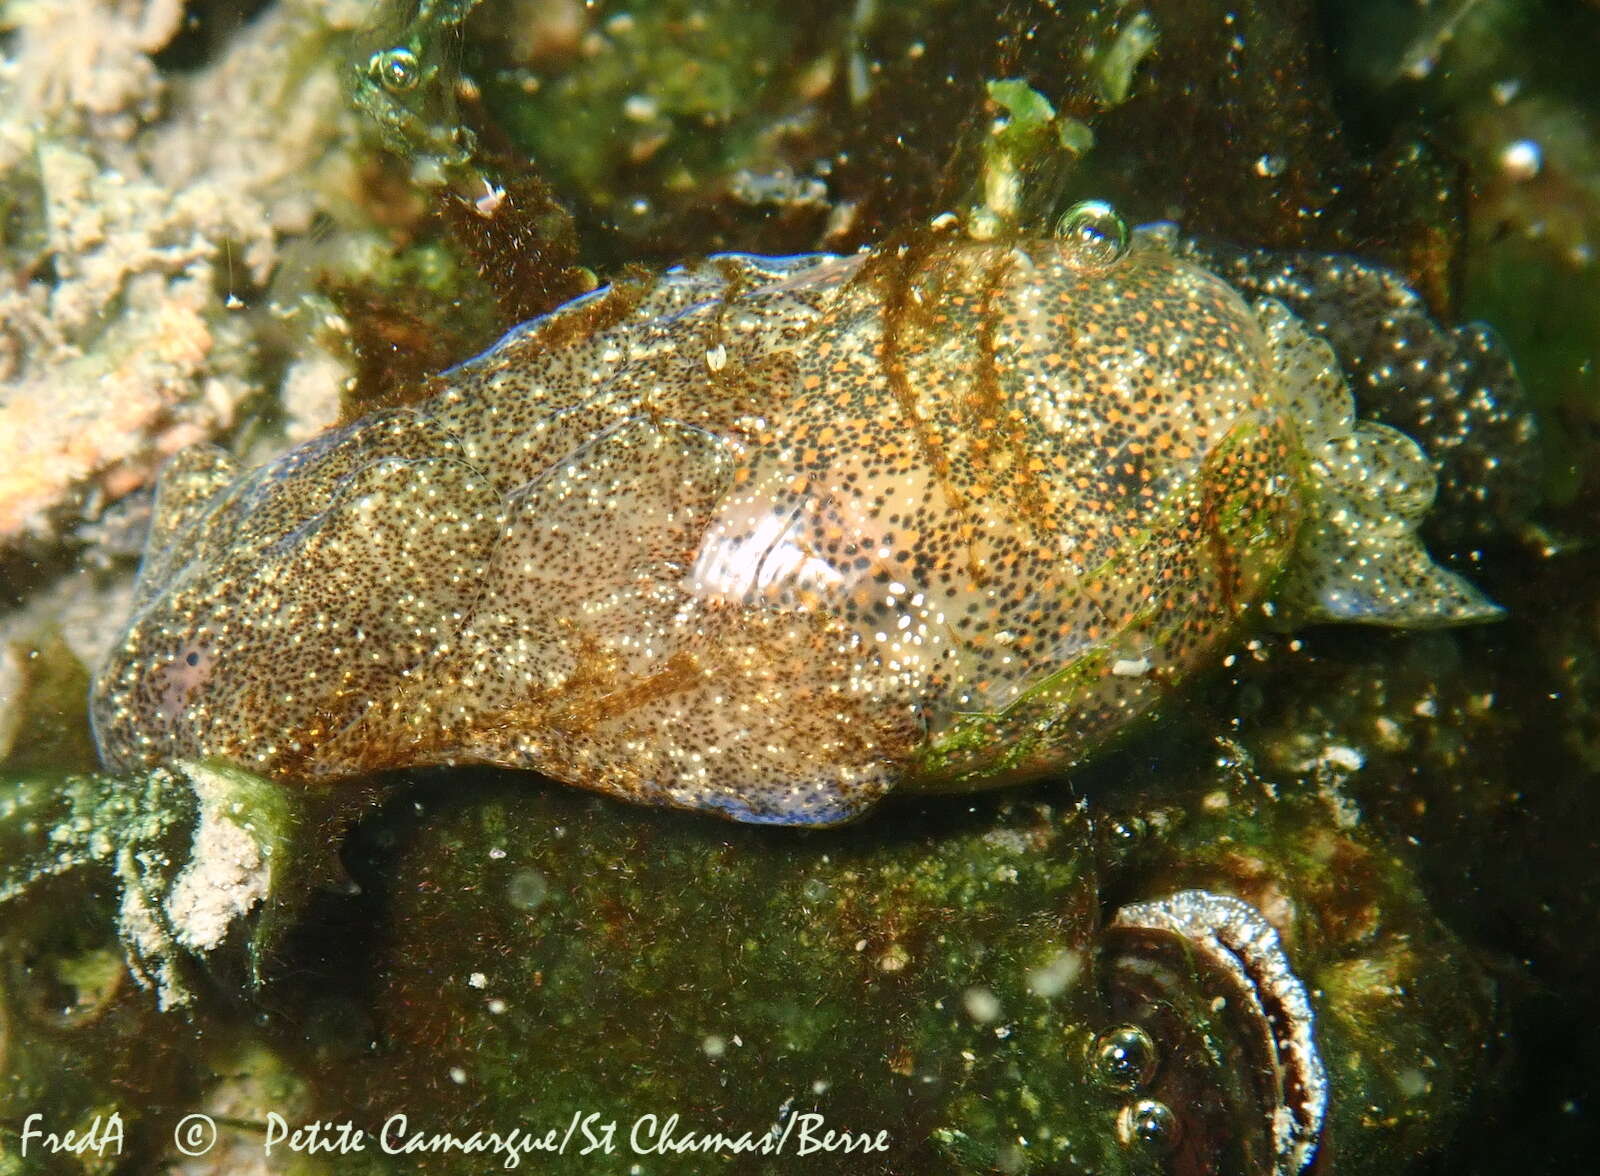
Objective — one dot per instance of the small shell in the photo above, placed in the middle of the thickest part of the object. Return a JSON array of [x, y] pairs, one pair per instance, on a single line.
[[1241, 954]]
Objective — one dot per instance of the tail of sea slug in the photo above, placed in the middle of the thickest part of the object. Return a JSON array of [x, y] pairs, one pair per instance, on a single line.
[[1367, 487]]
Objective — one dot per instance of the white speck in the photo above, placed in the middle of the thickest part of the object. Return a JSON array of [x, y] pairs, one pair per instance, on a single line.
[[1130, 667], [713, 1046], [496, 1006], [640, 107], [1413, 1083], [1057, 976], [1522, 160], [717, 357], [1339, 756], [1420, 66], [489, 203], [982, 1005], [478, 980], [458, 1075]]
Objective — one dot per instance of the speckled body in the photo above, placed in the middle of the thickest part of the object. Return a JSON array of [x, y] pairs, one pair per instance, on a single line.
[[771, 536]]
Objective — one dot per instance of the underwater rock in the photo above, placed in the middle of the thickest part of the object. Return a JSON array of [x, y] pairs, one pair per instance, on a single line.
[[75, 1033], [193, 854], [135, 220], [1215, 980], [1405, 1016], [771, 536], [937, 985], [82, 1044], [1005, 985], [953, 979]]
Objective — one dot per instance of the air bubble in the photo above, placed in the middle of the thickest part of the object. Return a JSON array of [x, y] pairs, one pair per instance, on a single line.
[[1124, 1058], [1148, 1125], [396, 70], [1093, 235]]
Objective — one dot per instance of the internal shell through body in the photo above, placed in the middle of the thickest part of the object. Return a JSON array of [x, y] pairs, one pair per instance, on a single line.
[[772, 536]]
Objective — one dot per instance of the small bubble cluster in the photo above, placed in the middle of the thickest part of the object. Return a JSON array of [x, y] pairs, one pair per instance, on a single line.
[[768, 537], [1124, 1058]]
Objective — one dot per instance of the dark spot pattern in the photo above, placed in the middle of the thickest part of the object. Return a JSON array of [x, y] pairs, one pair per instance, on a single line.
[[768, 537]]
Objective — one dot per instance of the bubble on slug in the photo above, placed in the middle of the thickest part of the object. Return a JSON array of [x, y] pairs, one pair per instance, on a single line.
[[1093, 235], [397, 70]]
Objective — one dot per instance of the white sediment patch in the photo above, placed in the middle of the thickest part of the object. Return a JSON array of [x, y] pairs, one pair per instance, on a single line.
[[228, 871]]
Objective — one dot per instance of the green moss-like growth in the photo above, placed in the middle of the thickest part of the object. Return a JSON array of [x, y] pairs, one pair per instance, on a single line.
[[45, 728], [523, 957], [409, 315], [659, 96], [655, 964]]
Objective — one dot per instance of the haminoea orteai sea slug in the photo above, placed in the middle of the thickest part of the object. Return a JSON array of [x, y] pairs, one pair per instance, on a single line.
[[772, 536]]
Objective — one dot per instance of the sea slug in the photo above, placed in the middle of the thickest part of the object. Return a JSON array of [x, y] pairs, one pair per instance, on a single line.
[[772, 536]]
